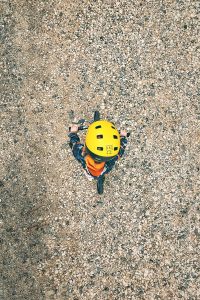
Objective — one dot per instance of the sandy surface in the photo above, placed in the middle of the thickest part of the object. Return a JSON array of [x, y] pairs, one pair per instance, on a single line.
[[138, 63]]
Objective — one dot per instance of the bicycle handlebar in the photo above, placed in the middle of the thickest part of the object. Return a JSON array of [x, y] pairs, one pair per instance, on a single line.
[[82, 127]]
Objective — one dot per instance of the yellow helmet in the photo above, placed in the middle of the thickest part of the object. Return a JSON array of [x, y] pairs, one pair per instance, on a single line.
[[102, 140]]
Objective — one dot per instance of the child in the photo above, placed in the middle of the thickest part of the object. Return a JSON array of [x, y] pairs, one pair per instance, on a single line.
[[104, 145]]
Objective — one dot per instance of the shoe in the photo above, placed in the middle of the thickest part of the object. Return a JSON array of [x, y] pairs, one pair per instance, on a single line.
[[89, 177]]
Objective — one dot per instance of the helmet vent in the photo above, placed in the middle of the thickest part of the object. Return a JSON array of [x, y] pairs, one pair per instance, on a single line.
[[99, 136], [115, 148], [100, 148], [115, 137], [97, 127], [113, 127]]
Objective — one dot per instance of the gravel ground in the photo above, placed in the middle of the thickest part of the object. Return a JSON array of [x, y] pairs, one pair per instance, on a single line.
[[138, 63]]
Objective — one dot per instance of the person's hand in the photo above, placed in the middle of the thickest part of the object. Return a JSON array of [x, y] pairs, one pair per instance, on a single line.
[[74, 128], [123, 133]]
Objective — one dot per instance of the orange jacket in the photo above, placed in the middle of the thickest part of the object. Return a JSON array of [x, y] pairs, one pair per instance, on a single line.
[[93, 167]]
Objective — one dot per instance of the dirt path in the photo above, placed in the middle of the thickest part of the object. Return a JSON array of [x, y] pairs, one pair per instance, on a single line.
[[137, 62]]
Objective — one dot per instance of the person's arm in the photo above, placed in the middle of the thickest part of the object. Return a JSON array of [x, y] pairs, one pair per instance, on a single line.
[[123, 144], [76, 146], [110, 164], [74, 139]]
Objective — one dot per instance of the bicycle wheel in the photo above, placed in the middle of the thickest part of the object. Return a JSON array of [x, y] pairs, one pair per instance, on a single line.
[[100, 182], [96, 115]]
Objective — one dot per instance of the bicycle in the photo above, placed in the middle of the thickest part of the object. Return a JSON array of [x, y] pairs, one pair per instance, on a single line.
[[101, 178]]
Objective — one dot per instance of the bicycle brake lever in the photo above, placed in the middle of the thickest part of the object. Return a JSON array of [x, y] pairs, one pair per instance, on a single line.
[[81, 121]]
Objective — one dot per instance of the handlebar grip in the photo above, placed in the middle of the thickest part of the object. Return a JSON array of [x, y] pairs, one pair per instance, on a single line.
[[82, 127]]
